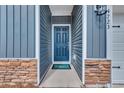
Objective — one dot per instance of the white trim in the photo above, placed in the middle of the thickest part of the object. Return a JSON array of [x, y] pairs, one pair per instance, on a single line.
[[37, 40], [54, 62], [59, 62], [84, 41], [109, 38], [18, 58], [109, 35]]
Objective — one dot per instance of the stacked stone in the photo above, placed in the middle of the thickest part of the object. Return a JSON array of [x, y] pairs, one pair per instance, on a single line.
[[18, 72], [97, 71]]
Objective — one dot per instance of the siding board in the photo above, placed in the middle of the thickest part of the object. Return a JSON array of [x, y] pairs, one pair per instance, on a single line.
[[17, 31], [96, 37], [24, 30], [77, 39], [9, 31], [31, 28], [3, 27], [103, 36], [96, 34], [89, 32], [45, 40]]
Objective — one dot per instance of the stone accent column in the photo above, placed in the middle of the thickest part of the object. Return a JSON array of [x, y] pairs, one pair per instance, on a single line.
[[18, 72], [97, 72]]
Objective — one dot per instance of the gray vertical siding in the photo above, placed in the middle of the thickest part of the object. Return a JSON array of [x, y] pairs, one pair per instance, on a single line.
[[77, 39], [61, 20], [96, 34], [10, 31], [45, 39], [3, 31], [17, 31], [31, 27], [24, 31]]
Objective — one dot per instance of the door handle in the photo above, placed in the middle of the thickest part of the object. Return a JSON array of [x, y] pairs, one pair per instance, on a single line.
[[116, 67], [118, 26]]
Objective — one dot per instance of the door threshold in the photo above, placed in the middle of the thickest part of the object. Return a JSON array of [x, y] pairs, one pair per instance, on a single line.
[[65, 62]]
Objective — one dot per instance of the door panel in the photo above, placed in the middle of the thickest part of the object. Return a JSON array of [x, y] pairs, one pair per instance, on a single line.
[[61, 43], [118, 54]]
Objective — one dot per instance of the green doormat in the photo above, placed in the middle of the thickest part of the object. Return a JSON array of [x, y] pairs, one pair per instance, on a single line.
[[61, 66]]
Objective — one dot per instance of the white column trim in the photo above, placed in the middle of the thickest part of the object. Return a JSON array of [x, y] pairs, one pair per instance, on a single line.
[[84, 41], [109, 37], [37, 40], [109, 34]]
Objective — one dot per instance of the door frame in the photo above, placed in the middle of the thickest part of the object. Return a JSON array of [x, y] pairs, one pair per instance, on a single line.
[[57, 62], [109, 29]]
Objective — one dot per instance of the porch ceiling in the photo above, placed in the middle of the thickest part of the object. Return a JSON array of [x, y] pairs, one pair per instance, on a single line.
[[61, 10]]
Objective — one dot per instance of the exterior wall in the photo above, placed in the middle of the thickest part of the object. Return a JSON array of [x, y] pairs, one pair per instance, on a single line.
[[77, 39], [45, 40], [97, 72], [18, 73], [17, 44], [61, 19], [17, 31], [117, 48], [118, 18], [96, 34]]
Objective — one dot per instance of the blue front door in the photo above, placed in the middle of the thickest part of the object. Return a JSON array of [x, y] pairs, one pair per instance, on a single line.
[[61, 43]]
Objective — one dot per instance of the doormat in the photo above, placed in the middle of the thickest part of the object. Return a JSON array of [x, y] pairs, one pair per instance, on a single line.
[[61, 66]]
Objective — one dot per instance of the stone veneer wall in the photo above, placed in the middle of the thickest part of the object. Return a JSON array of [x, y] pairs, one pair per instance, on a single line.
[[18, 73], [97, 72]]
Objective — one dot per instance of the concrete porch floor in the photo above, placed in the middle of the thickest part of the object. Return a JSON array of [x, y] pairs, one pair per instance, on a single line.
[[65, 79], [61, 79]]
